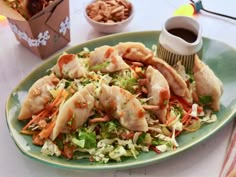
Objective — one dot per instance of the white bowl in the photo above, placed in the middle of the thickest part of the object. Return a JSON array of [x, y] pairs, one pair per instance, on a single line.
[[109, 27]]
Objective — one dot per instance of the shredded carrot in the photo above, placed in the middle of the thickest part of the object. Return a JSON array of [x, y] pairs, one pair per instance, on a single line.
[[37, 140], [28, 132], [186, 116], [134, 72], [177, 133], [155, 149], [127, 136], [196, 118], [185, 104], [183, 101], [56, 100], [168, 121], [35, 119], [199, 109], [188, 121], [45, 133], [46, 111], [68, 151], [55, 113]]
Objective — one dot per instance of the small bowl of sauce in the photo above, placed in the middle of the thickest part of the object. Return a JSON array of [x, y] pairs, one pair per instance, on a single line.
[[180, 39]]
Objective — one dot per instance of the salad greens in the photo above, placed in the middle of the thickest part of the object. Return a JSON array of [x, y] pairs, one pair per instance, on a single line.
[[102, 138]]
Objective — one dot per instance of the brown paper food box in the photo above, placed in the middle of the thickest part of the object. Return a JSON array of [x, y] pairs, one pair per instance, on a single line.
[[47, 31]]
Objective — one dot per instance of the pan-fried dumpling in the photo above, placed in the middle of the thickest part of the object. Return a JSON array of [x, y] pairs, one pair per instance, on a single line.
[[176, 83], [207, 84], [158, 91], [75, 111], [38, 97], [134, 51], [123, 106], [69, 66], [106, 59]]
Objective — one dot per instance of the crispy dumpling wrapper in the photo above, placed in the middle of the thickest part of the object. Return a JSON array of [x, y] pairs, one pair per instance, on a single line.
[[158, 91], [69, 66], [75, 110], [207, 83], [176, 83], [106, 59], [123, 106], [134, 51], [38, 97]]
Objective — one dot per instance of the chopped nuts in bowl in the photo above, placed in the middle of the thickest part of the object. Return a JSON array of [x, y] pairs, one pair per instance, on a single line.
[[109, 16]]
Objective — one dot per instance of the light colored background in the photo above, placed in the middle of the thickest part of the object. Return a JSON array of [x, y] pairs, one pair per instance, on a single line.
[[16, 62]]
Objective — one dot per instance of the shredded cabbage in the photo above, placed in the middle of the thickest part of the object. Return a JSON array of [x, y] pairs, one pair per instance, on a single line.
[[49, 148], [107, 140]]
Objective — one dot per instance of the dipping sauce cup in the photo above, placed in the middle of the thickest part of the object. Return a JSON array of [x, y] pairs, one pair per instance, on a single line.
[[180, 39]]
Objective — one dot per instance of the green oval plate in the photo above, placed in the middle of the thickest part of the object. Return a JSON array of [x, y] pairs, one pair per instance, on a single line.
[[219, 56]]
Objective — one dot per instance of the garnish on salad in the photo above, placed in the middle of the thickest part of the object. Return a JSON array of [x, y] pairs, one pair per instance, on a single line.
[[116, 102]]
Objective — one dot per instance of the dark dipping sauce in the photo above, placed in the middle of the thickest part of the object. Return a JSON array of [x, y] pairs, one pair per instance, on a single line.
[[185, 34]]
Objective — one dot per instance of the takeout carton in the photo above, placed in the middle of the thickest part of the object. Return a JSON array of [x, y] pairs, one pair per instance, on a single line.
[[45, 32]]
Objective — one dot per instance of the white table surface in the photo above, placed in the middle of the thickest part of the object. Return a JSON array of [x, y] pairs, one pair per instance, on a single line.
[[16, 62]]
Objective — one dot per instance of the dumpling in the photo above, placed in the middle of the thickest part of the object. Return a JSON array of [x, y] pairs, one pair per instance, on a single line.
[[106, 59], [38, 96], [158, 91], [75, 110], [69, 66], [123, 106], [207, 84], [176, 83], [134, 51]]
